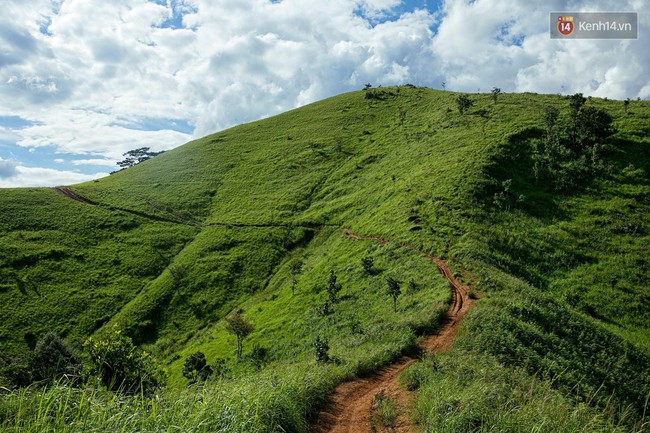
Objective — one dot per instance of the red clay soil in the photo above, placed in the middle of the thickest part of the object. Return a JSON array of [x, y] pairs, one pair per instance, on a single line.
[[348, 409]]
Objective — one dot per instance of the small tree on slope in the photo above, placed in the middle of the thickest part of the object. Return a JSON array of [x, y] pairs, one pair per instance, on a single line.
[[394, 290], [237, 325]]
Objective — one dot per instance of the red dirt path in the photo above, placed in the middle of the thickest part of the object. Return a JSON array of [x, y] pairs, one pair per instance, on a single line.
[[349, 407]]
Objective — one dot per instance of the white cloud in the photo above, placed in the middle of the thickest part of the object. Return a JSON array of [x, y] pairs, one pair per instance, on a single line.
[[85, 132], [95, 161], [36, 176], [88, 73], [7, 169]]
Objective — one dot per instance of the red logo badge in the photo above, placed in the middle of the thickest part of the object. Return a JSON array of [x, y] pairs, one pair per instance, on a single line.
[[565, 25]]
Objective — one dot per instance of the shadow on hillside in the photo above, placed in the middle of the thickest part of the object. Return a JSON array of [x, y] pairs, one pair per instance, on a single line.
[[510, 181]]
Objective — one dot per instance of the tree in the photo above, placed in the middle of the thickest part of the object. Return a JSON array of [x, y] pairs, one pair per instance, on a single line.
[[592, 127], [295, 268], [237, 325], [333, 288], [121, 366], [551, 115], [53, 359], [196, 368], [368, 263], [575, 103], [495, 93], [463, 103], [394, 290], [136, 156]]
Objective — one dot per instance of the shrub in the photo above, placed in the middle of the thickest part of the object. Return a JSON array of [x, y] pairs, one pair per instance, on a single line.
[[463, 103], [322, 347], [333, 288], [258, 355], [195, 368], [368, 263], [53, 359], [121, 366]]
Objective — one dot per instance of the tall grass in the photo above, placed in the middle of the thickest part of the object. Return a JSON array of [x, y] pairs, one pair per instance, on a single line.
[[466, 392], [268, 402]]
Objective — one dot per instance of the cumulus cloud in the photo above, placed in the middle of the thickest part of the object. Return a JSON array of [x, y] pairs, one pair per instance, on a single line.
[[89, 76], [36, 176], [86, 132], [7, 169]]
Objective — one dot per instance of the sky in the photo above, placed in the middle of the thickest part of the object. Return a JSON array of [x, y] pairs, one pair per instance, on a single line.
[[84, 81]]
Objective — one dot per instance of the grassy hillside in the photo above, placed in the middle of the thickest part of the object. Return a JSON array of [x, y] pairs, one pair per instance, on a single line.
[[558, 251]]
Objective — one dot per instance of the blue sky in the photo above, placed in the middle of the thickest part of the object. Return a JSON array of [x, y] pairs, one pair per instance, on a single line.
[[158, 73]]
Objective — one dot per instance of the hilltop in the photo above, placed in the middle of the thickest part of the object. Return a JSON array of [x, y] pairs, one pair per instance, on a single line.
[[544, 219]]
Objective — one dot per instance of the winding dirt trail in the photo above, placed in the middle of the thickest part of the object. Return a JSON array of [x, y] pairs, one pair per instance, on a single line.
[[348, 409]]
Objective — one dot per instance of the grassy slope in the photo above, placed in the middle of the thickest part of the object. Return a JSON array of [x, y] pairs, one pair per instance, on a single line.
[[367, 164]]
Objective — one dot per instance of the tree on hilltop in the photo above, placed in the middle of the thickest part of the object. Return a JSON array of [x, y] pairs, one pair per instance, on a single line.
[[496, 91], [136, 156]]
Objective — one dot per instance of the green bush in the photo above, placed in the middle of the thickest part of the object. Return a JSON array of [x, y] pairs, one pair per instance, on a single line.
[[121, 366], [195, 368], [463, 103], [322, 347], [54, 359]]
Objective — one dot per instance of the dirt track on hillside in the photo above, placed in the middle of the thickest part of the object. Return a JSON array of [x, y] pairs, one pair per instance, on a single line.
[[73, 195], [348, 409]]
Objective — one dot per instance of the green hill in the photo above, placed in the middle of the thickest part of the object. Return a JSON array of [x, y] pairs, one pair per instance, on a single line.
[[546, 217]]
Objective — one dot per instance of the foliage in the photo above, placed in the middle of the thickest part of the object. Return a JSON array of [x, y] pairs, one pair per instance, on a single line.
[[54, 359], [333, 288], [295, 268], [463, 103], [136, 156], [394, 289], [592, 127], [536, 332], [196, 369], [368, 263], [496, 91], [463, 391], [258, 356], [238, 326], [322, 347], [121, 366], [173, 245]]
